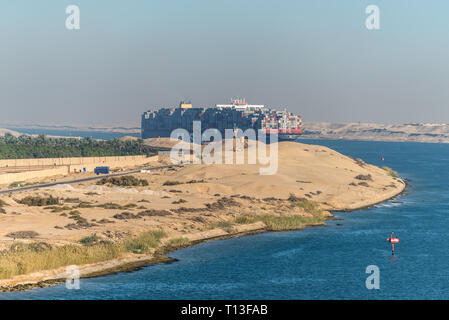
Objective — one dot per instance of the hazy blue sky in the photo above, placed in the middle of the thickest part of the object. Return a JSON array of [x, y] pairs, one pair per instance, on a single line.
[[314, 57]]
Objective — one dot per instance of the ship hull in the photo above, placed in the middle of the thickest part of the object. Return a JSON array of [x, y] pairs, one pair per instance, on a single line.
[[288, 137]]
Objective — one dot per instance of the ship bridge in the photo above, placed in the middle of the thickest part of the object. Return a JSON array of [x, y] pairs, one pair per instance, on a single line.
[[240, 104]]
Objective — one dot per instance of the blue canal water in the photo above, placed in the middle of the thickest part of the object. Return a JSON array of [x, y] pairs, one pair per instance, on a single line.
[[327, 262]]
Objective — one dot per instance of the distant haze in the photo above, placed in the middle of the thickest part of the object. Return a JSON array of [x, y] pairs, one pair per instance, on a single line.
[[314, 57]]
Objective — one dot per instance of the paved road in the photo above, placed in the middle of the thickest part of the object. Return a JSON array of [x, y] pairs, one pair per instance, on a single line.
[[79, 180]]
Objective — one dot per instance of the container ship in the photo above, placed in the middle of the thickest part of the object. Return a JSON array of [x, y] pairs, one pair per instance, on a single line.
[[236, 115]]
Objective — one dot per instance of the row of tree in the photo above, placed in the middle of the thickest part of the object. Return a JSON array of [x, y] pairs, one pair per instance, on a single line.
[[42, 147]]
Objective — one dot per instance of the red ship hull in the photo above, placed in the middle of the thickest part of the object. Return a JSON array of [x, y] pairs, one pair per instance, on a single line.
[[284, 131]]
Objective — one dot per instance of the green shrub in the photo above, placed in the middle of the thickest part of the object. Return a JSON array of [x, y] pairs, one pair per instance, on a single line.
[[144, 242], [15, 184], [90, 240], [2, 204], [116, 206], [179, 201], [124, 181], [171, 183], [23, 234], [245, 220], [84, 204], [179, 241], [196, 181], [225, 225], [308, 206], [110, 206], [281, 223], [58, 209], [390, 172], [37, 201], [92, 194]]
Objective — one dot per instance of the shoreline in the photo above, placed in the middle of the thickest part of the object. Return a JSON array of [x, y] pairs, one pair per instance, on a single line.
[[127, 264], [369, 206], [368, 139]]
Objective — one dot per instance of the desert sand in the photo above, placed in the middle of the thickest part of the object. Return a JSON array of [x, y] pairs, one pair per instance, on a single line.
[[4, 132], [195, 201], [412, 132]]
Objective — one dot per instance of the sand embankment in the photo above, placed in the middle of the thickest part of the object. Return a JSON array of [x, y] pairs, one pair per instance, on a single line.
[[411, 132], [7, 132], [195, 203]]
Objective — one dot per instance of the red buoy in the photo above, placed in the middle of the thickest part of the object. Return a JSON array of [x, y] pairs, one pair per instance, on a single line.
[[392, 239]]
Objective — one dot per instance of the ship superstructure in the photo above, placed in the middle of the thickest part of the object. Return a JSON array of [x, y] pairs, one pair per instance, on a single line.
[[236, 115]]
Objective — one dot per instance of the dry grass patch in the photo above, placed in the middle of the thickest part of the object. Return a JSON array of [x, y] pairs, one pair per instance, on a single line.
[[282, 223], [390, 172], [289, 221], [23, 258], [179, 241], [225, 225], [308, 206]]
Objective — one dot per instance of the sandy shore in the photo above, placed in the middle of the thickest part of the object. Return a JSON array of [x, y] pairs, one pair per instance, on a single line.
[[194, 203], [412, 132]]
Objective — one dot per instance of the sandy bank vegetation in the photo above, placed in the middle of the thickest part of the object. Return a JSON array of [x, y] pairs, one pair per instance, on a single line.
[[91, 223]]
